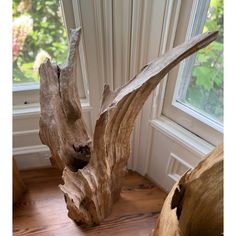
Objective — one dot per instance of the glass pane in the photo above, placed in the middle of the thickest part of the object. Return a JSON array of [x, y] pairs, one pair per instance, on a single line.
[[204, 92], [38, 33]]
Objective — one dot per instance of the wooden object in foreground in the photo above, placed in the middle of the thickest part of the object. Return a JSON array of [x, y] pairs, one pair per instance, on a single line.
[[18, 185], [195, 204], [95, 167]]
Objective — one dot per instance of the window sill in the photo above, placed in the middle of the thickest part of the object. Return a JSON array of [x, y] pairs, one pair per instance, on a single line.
[[26, 87], [34, 109], [206, 119], [185, 138]]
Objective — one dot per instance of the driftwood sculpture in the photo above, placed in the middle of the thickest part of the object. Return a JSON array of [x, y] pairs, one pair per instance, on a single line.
[[194, 206], [94, 167]]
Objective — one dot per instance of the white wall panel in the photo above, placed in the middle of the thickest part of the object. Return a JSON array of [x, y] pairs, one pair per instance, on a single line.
[[163, 148]]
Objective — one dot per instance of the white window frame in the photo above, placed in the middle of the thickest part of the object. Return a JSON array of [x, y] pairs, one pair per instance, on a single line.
[[199, 124], [26, 95]]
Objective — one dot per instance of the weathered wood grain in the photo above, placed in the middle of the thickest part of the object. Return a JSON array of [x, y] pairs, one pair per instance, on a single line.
[[195, 204], [95, 167]]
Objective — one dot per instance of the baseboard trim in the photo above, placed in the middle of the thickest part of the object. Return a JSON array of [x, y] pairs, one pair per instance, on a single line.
[[32, 157]]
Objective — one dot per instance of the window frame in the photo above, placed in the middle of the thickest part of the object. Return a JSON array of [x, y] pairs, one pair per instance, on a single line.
[[197, 123]]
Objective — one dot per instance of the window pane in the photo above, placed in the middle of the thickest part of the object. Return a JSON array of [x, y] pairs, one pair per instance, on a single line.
[[204, 92], [38, 33]]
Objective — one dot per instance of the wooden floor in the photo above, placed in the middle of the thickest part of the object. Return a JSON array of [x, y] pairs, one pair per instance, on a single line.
[[42, 210]]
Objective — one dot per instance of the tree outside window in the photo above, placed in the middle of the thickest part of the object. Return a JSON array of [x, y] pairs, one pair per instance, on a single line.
[[205, 89], [38, 33]]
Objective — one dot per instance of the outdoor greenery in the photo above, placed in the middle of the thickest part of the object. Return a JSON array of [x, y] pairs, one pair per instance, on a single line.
[[205, 90], [38, 33]]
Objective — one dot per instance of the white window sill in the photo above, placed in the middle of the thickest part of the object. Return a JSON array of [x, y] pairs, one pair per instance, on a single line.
[[25, 87], [34, 109], [184, 137]]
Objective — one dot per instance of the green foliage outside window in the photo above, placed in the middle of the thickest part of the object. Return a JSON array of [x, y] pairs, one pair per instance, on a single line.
[[205, 90], [38, 33]]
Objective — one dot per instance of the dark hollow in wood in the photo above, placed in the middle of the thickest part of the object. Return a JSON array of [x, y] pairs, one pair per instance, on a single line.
[[91, 191]]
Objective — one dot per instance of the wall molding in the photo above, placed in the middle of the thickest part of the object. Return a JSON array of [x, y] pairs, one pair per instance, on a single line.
[[176, 167], [32, 157], [182, 136], [33, 110], [26, 138], [169, 26], [30, 149], [146, 39]]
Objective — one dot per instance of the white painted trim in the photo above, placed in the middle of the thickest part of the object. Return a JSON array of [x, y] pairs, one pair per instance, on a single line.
[[103, 13], [32, 157], [98, 14], [182, 136], [196, 23], [192, 17], [122, 21], [136, 55], [145, 40], [86, 17], [171, 16], [171, 166], [33, 110], [195, 26], [30, 149], [206, 119], [25, 132], [25, 86], [198, 18], [83, 63], [108, 41]]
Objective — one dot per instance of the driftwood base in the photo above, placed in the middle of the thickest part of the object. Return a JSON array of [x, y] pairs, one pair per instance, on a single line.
[[195, 204]]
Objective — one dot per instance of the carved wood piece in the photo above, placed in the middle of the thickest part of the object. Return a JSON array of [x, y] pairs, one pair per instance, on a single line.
[[95, 168], [194, 206]]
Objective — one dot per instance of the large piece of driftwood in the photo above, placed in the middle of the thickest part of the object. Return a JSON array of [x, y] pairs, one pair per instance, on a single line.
[[194, 206], [95, 167]]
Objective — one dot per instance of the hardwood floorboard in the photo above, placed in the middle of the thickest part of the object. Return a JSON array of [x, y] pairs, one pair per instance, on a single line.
[[42, 210]]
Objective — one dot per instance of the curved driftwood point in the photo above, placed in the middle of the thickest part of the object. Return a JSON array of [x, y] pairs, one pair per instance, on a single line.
[[94, 168], [194, 206]]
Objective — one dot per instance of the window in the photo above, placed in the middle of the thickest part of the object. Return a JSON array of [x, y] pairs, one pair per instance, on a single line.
[[39, 32], [202, 77], [194, 94]]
